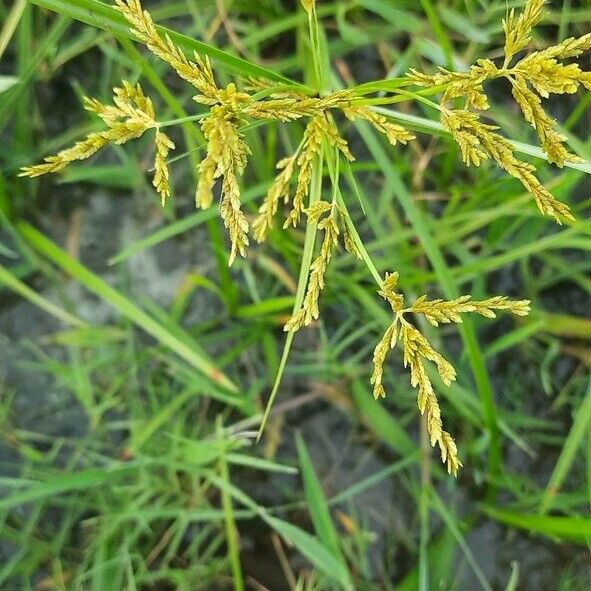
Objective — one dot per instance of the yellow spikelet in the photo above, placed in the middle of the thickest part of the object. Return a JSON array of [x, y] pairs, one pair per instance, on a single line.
[[282, 106], [518, 27], [571, 47], [516, 307], [310, 310], [550, 139], [161, 179], [449, 453], [348, 240], [279, 190], [226, 157], [478, 142], [333, 138], [466, 85], [311, 146], [110, 114], [233, 217], [197, 72], [389, 293], [445, 311], [129, 118], [394, 132], [387, 342], [417, 349]]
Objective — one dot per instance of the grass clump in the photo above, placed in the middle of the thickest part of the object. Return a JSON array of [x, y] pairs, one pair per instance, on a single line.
[[137, 362]]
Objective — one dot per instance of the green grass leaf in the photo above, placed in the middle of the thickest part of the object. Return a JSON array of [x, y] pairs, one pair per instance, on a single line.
[[124, 305], [102, 16], [8, 279], [576, 436], [317, 505], [64, 482], [313, 550], [577, 529], [378, 419]]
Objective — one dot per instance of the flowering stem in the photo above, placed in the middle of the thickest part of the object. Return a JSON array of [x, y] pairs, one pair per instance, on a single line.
[[231, 532], [309, 241], [180, 120]]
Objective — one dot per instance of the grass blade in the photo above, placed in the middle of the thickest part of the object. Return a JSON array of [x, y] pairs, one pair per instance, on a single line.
[[572, 443], [26, 292], [451, 522], [313, 550], [123, 305], [102, 16], [230, 524], [317, 505], [63, 483], [570, 528], [379, 420]]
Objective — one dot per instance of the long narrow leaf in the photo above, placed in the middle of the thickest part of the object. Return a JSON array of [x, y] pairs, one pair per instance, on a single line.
[[317, 505], [315, 552], [63, 483], [101, 15], [7, 278], [125, 306], [575, 438], [570, 528]]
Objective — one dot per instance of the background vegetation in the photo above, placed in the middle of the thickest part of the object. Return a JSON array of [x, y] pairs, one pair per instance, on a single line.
[[134, 365]]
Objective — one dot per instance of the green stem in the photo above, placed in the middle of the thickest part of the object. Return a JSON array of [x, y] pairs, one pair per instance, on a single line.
[[230, 523], [315, 45], [424, 507], [309, 241], [180, 120]]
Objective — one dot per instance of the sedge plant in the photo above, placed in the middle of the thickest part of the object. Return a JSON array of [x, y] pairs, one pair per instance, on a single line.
[[462, 104]]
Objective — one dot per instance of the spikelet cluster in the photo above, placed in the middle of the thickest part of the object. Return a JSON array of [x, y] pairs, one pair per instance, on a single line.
[[197, 71], [226, 158], [394, 133], [479, 142], [417, 350], [537, 75], [129, 117], [227, 153], [333, 221]]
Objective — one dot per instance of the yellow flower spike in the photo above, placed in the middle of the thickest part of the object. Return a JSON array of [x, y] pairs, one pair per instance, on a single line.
[[161, 179], [538, 72], [393, 131], [131, 115], [226, 157], [197, 72], [417, 349], [279, 190], [478, 142]]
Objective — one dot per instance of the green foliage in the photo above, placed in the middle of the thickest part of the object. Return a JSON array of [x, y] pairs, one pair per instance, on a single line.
[[163, 487]]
